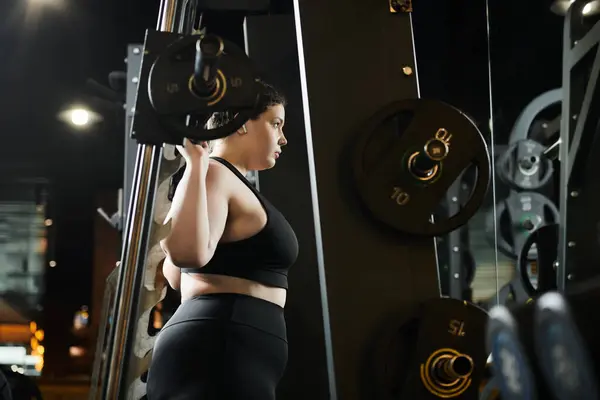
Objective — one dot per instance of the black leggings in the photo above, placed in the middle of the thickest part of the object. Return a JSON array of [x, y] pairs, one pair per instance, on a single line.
[[219, 347]]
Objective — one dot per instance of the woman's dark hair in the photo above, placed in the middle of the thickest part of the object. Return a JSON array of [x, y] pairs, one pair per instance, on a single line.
[[268, 96]]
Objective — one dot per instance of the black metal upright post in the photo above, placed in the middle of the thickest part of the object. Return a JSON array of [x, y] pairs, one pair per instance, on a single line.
[[288, 187], [579, 252], [133, 261], [135, 247], [134, 62], [355, 57]]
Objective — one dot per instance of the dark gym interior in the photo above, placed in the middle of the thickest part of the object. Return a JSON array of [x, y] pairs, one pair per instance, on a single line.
[[436, 177]]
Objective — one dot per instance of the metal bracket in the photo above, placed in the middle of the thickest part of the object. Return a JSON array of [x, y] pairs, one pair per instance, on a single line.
[[400, 6]]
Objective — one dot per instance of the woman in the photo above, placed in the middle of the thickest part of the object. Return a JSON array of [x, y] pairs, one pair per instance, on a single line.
[[228, 252]]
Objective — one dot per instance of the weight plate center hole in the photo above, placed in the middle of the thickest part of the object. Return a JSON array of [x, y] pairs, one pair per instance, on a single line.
[[462, 366], [529, 165], [528, 225]]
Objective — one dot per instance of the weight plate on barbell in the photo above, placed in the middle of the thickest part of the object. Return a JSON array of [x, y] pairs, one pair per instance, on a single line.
[[386, 157], [516, 217], [184, 112]]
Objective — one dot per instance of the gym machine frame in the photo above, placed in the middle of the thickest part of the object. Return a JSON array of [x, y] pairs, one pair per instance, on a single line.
[[555, 329], [163, 116], [99, 367], [578, 248], [335, 102], [135, 247], [424, 162]]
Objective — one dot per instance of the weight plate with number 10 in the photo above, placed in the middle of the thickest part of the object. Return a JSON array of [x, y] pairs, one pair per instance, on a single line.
[[409, 154]]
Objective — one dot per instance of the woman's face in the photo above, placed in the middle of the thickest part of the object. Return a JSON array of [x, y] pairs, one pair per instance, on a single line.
[[264, 138]]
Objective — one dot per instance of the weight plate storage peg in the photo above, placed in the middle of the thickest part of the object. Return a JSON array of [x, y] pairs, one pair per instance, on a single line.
[[523, 166], [437, 353], [408, 155]]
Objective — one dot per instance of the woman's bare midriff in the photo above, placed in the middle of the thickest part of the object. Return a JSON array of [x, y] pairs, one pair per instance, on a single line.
[[199, 284]]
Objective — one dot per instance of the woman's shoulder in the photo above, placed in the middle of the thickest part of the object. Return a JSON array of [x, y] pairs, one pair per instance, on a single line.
[[220, 178], [217, 171]]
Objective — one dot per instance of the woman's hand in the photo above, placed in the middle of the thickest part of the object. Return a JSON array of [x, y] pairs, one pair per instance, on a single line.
[[195, 154]]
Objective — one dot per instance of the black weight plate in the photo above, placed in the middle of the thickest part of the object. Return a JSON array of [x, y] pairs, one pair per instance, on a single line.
[[389, 360], [523, 126], [512, 369], [450, 327], [524, 166], [386, 186], [562, 353], [517, 216], [402, 353], [173, 100], [546, 240]]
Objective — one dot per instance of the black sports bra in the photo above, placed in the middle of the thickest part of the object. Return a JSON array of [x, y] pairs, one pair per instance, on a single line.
[[265, 257]]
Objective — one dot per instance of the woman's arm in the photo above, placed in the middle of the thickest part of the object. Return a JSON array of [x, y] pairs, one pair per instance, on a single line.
[[172, 273], [198, 215]]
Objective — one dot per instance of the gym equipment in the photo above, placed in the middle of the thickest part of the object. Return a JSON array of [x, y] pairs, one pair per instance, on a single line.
[[513, 292], [562, 355], [455, 260], [512, 368], [524, 165], [457, 271], [517, 216], [387, 276], [334, 109], [490, 391], [545, 239], [579, 253], [538, 261], [530, 114], [188, 78], [561, 341], [456, 263], [439, 352], [100, 365], [406, 161], [129, 342]]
